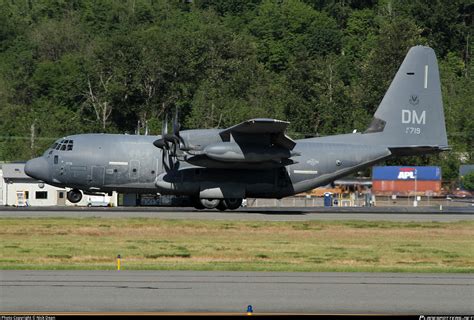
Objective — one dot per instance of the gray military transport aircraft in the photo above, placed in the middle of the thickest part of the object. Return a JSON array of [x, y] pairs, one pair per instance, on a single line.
[[220, 167]]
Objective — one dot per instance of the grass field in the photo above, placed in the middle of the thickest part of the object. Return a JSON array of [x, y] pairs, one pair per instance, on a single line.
[[147, 243]]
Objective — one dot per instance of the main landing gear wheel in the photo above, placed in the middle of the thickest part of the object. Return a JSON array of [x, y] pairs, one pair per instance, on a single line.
[[210, 203], [74, 195], [232, 203], [197, 203], [229, 203], [221, 206]]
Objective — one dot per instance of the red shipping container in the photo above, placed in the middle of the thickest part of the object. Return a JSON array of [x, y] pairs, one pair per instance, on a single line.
[[406, 187]]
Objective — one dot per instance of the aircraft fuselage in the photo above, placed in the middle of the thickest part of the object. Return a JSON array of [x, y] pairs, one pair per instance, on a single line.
[[132, 164]]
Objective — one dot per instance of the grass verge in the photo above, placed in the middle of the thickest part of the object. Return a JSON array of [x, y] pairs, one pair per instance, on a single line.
[[153, 244]]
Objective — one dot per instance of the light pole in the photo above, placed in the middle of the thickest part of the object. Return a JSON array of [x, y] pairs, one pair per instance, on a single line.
[[415, 202]]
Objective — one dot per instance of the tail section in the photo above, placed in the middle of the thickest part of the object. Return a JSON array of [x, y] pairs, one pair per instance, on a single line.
[[410, 116]]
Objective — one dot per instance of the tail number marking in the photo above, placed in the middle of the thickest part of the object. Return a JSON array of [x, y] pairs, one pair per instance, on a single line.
[[413, 130], [413, 118]]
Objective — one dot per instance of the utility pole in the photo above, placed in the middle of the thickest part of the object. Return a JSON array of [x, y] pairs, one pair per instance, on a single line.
[[415, 202], [32, 138]]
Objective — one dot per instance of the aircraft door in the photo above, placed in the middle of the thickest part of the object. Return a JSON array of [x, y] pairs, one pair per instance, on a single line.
[[98, 174]]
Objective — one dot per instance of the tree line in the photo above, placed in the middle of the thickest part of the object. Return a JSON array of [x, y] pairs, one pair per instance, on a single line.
[[324, 65]]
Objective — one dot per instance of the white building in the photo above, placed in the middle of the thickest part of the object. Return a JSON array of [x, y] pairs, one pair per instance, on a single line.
[[18, 189]]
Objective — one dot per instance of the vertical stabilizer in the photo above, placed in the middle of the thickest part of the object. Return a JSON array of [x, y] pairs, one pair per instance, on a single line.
[[411, 112]]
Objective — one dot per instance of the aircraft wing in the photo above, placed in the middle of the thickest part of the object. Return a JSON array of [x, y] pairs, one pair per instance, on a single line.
[[260, 130], [253, 144]]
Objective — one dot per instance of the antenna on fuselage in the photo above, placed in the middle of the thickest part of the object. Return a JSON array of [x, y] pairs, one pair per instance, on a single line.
[[164, 126], [137, 131]]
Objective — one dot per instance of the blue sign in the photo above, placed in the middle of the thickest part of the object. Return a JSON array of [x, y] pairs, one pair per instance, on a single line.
[[406, 173]]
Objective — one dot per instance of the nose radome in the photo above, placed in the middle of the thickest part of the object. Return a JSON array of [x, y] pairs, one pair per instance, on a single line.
[[37, 168]]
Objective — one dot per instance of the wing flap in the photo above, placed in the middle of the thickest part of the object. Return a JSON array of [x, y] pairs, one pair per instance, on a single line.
[[271, 128]]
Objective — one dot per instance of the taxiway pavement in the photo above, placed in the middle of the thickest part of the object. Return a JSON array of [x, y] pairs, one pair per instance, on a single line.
[[263, 214], [208, 291]]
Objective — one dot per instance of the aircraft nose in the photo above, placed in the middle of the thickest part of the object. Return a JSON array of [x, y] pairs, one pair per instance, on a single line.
[[37, 168]]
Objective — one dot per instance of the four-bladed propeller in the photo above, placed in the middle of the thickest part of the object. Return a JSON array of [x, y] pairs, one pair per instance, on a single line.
[[170, 141], [172, 144]]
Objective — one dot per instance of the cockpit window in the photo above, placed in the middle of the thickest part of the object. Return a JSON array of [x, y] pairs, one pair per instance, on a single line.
[[65, 145], [54, 145]]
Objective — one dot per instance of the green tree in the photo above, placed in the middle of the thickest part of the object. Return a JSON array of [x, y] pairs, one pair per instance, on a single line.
[[468, 181], [288, 28], [319, 99], [445, 24]]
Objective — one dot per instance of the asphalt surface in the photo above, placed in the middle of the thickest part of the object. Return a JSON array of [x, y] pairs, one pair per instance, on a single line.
[[449, 214], [203, 291]]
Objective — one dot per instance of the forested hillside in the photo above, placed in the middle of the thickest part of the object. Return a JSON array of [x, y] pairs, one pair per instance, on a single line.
[[324, 65]]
